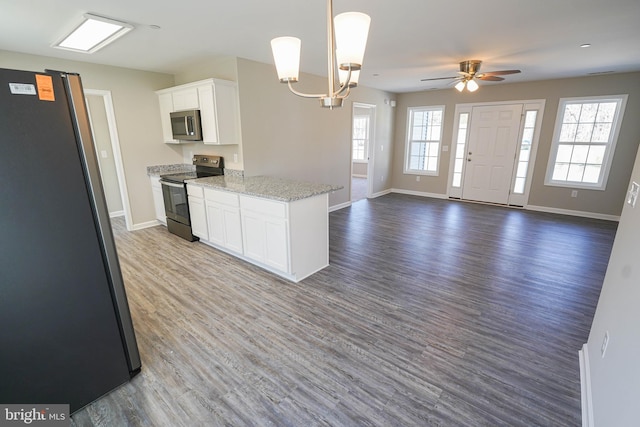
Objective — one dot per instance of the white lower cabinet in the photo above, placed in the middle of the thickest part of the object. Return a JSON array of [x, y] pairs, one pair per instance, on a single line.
[[197, 212], [265, 234], [198, 217], [223, 218], [290, 239], [158, 200]]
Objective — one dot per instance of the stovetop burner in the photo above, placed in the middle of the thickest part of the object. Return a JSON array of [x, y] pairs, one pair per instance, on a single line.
[[205, 166]]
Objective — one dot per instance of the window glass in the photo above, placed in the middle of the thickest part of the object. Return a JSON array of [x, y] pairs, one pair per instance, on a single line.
[[586, 132], [360, 138], [463, 124], [424, 140], [525, 151]]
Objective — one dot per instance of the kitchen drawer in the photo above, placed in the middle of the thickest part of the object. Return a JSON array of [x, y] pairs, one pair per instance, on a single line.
[[224, 197], [264, 206], [195, 191]]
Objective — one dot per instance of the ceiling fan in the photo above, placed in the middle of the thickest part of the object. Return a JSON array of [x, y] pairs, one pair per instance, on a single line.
[[469, 73]]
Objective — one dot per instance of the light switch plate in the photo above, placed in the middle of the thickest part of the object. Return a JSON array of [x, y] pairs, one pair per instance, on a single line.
[[632, 194]]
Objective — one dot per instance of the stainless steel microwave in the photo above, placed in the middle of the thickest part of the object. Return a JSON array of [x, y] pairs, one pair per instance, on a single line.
[[185, 125]]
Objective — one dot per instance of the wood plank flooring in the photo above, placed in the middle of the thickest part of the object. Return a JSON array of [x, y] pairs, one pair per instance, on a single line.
[[432, 313]]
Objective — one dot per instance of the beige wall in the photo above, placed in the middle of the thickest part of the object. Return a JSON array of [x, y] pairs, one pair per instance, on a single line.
[[608, 202], [137, 116], [614, 376], [359, 169], [102, 142], [224, 68], [292, 137]]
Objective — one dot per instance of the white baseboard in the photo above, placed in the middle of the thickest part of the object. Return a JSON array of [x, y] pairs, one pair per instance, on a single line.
[[585, 387], [547, 209], [340, 206], [144, 225], [380, 193], [355, 175], [419, 193], [573, 213], [116, 214]]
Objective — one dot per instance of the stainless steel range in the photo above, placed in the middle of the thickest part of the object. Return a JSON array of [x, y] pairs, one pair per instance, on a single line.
[[174, 192]]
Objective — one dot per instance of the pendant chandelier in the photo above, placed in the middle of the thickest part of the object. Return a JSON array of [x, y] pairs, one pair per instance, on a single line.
[[346, 40]]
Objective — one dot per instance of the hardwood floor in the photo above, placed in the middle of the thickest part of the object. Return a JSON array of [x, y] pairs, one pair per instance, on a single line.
[[358, 188], [432, 313]]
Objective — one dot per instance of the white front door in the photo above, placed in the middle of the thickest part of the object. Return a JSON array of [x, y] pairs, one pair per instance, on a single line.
[[493, 141]]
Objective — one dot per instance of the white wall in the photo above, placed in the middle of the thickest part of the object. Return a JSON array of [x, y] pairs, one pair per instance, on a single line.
[[615, 378]]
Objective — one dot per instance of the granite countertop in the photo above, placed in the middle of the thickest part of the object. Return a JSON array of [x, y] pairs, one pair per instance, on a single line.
[[167, 169], [284, 190]]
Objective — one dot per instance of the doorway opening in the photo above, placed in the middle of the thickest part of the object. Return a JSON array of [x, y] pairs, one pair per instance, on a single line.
[[107, 146], [362, 137]]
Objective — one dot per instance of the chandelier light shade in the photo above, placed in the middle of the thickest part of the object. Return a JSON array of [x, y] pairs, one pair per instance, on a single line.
[[344, 74], [472, 86], [286, 54], [352, 30], [460, 85], [346, 39]]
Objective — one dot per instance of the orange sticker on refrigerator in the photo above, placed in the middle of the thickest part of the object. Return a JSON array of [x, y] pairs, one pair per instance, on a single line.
[[45, 88]]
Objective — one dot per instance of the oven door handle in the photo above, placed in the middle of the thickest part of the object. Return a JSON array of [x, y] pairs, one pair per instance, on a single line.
[[171, 184]]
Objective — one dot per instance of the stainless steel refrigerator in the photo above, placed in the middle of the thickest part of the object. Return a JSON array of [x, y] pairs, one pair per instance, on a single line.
[[66, 334]]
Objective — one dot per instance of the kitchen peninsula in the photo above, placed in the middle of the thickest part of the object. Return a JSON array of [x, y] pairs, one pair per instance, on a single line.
[[278, 224]]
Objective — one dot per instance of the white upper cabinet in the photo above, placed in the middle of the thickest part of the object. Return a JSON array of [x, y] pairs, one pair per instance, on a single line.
[[185, 99], [217, 101], [166, 108]]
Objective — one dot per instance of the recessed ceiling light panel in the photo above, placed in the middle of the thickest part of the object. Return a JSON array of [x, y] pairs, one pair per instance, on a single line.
[[94, 33]]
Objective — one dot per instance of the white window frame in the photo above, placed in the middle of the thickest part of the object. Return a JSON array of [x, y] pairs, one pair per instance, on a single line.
[[407, 147], [621, 100]]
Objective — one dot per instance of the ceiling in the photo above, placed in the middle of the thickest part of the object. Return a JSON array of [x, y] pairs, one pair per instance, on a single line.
[[409, 40]]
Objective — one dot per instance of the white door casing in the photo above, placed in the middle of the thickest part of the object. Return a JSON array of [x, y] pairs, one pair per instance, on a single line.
[[117, 155], [371, 109], [491, 151]]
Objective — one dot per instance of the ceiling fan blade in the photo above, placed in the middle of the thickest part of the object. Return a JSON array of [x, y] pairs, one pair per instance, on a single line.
[[490, 78], [439, 78], [500, 73]]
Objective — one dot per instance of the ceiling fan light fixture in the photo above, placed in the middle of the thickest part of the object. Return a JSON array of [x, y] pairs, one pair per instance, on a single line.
[[472, 86], [460, 85]]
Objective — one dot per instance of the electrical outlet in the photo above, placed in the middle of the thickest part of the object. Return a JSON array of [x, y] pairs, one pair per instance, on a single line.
[[574, 193], [235, 157], [418, 178], [605, 343], [445, 148]]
